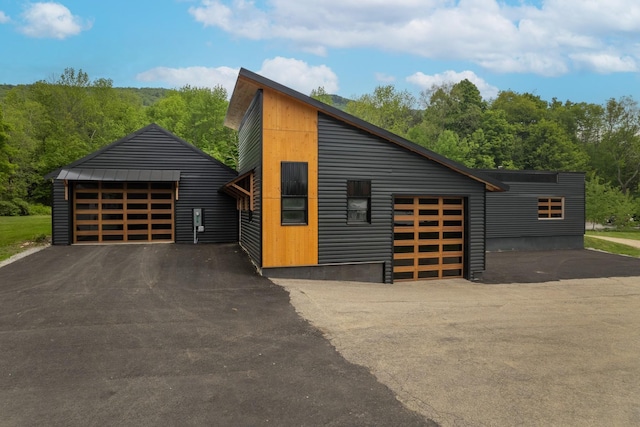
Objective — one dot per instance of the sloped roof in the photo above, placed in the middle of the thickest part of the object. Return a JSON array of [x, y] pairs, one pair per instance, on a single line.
[[249, 83], [152, 127]]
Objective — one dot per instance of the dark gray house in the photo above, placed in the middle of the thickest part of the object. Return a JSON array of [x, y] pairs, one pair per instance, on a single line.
[[541, 211], [324, 194], [143, 188]]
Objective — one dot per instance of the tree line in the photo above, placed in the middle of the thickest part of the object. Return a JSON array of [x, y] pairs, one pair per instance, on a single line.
[[521, 131], [48, 124]]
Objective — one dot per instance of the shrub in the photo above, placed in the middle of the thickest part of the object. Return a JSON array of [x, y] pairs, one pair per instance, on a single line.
[[22, 205], [38, 209], [8, 209]]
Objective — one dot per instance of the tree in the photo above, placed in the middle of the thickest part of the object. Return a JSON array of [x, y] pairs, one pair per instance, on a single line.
[[387, 108], [197, 115], [605, 203], [619, 150], [321, 95]]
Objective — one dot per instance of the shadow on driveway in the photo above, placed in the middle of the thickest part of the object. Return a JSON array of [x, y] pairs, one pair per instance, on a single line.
[[547, 266], [169, 335]]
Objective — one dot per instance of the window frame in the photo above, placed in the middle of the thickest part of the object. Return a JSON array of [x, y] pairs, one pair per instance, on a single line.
[[359, 189], [545, 205], [294, 188]]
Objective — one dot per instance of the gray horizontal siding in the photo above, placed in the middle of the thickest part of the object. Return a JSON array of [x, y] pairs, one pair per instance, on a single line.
[[250, 149], [514, 214], [201, 179], [348, 153], [60, 215]]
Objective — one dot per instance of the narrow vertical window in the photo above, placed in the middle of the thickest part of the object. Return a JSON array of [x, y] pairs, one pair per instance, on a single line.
[[294, 192], [551, 208], [358, 201]]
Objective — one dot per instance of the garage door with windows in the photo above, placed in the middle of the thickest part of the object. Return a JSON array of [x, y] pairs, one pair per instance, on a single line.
[[111, 212], [428, 238]]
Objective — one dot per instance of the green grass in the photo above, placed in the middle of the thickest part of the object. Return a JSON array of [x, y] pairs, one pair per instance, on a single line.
[[634, 235], [18, 233], [612, 247]]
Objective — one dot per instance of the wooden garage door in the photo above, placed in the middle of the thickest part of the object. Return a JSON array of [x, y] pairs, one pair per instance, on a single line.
[[120, 212], [428, 238]]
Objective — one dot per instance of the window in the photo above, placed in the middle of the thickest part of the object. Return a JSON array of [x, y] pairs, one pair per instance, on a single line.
[[550, 207], [294, 192], [358, 202]]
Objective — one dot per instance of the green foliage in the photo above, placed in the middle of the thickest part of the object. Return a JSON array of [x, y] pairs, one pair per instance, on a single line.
[[9, 208], [607, 204], [321, 95], [197, 115], [387, 108]]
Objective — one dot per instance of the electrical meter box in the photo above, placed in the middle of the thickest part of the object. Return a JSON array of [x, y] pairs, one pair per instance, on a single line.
[[197, 218]]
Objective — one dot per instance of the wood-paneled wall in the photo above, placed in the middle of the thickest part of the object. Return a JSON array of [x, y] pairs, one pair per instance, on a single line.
[[290, 133]]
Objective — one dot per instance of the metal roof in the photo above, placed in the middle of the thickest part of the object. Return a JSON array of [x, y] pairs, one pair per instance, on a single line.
[[146, 175], [249, 83]]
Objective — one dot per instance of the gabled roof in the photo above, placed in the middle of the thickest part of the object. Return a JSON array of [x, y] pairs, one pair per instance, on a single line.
[[249, 83], [152, 127]]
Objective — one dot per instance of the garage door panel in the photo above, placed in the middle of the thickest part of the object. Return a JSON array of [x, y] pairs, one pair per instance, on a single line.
[[122, 212], [428, 237]]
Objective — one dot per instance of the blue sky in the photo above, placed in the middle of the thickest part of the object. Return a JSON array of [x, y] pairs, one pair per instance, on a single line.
[[568, 49]]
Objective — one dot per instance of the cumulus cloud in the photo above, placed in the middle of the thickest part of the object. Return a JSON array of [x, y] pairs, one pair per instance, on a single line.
[[293, 73], [550, 38], [193, 76], [51, 20], [299, 75], [4, 18], [425, 81]]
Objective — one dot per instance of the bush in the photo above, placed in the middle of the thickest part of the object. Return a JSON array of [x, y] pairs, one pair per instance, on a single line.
[[22, 205], [38, 209], [8, 209]]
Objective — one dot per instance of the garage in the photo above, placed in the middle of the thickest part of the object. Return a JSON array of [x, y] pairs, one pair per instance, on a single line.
[[145, 187], [428, 237], [107, 211]]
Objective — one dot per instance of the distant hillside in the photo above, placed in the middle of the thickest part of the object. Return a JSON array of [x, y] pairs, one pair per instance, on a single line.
[[148, 95]]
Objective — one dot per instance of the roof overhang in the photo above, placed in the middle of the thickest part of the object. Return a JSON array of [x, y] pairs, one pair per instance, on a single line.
[[241, 188], [249, 83], [146, 175]]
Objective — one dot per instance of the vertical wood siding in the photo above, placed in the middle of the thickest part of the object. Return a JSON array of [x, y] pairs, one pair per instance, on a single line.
[[290, 133], [200, 181], [347, 153], [250, 157]]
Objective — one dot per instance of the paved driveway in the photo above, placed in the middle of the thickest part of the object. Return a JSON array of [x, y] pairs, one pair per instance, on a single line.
[[563, 352], [169, 335]]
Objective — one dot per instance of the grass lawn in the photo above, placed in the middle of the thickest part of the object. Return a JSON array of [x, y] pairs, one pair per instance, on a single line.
[[635, 235], [18, 233], [614, 248]]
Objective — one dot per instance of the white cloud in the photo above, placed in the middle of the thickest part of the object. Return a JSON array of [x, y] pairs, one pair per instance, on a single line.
[[4, 18], [193, 76], [299, 75], [425, 81], [605, 63], [550, 38], [51, 20], [293, 73]]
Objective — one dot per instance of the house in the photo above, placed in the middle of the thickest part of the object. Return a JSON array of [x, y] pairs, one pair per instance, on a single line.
[[145, 187], [324, 194], [318, 194], [542, 210]]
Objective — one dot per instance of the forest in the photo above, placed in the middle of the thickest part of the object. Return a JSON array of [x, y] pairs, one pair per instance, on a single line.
[[49, 124]]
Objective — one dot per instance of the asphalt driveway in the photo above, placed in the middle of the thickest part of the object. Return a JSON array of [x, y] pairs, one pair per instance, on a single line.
[[169, 335]]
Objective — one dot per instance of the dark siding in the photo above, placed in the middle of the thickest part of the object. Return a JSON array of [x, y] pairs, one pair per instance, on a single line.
[[250, 149], [512, 216], [200, 181], [60, 215], [347, 153]]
